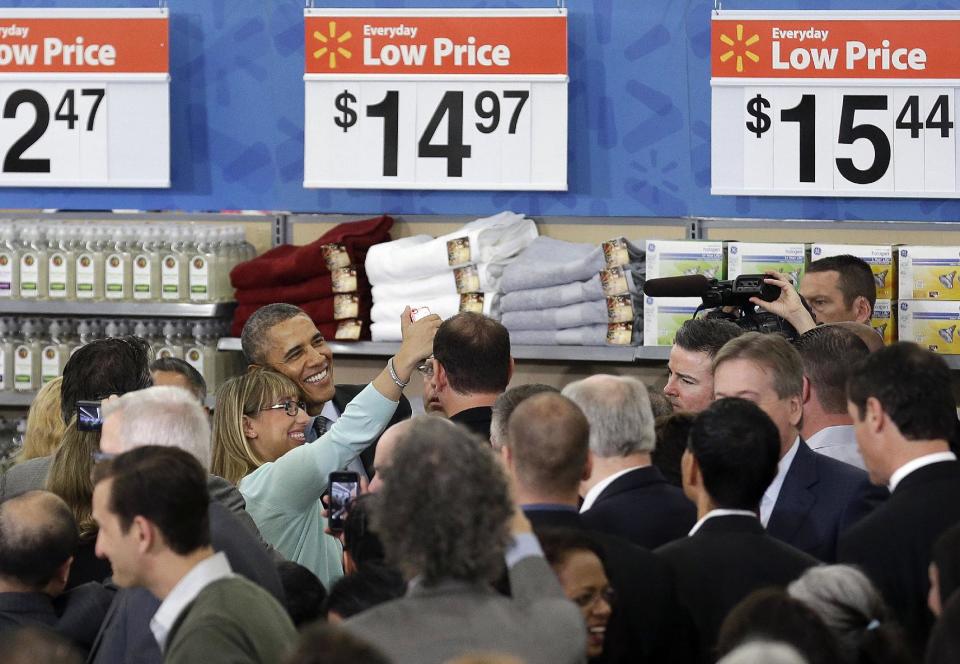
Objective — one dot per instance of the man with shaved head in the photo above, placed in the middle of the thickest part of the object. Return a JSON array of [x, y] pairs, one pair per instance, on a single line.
[[867, 334], [38, 539], [625, 494]]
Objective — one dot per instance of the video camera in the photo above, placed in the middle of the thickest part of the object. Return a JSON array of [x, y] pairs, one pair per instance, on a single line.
[[729, 299]]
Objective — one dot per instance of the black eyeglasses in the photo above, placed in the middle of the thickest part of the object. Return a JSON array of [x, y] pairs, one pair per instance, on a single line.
[[290, 407]]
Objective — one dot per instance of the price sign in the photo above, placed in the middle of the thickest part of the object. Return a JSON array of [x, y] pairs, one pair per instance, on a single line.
[[84, 98], [436, 99], [835, 104]]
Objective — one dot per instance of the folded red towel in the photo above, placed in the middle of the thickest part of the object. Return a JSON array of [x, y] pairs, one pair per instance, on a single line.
[[307, 291], [324, 310], [287, 265]]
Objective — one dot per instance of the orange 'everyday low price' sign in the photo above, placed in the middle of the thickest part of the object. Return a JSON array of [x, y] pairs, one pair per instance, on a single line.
[[868, 47], [83, 45], [835, 103], [435, 99], [436, 44], [84, 98]]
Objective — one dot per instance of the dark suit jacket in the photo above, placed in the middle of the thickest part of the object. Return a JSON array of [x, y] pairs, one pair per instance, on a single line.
[[647, 622], [724, 561], [642, 507], [76, 615], [893, 544], [820, 498], [476, 420], [125, 637], [344, 394]]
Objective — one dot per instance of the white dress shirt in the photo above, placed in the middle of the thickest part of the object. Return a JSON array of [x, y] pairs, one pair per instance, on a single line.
[[837, 442], [917, 464], [720, 512], [594, 493], [204, 573], [770, 496]]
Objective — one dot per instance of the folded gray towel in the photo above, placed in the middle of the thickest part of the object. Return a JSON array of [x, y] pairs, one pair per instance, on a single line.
[[588, 335], [557, 318], [563, 295], [548, 262]]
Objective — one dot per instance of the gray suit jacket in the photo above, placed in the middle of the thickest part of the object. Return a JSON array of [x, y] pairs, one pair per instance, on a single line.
[[27, 476], [431, 625]]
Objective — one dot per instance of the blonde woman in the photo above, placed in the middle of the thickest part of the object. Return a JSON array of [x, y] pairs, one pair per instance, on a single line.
[[44, 424], [258, 434]]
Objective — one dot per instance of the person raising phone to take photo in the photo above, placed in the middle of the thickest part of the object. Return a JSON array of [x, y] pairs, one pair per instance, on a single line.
[[258, 433]]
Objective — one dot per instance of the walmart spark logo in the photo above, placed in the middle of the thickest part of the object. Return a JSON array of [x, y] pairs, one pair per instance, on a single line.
[[332, 41], [745, 47]]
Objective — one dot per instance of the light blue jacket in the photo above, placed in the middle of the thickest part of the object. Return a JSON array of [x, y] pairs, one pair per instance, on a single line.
[[283, 496]]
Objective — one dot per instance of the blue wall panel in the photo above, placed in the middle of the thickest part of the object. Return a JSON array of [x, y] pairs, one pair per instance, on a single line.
[[639, 137]]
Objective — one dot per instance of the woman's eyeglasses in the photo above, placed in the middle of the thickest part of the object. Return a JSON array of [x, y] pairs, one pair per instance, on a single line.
[[290, 407]]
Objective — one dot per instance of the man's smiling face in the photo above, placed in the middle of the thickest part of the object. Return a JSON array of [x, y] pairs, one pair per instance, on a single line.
[[296, 349]]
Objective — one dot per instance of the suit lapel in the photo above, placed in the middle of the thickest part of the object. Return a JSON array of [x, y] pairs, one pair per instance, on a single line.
[[796, 498]]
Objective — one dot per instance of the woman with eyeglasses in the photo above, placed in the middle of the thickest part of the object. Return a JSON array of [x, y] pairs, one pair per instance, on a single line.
[[577, 560], [258, 436]]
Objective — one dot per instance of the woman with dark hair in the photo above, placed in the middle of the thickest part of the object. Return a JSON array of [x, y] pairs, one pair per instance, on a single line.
[[944, 569], [771, 614], [578, 562]]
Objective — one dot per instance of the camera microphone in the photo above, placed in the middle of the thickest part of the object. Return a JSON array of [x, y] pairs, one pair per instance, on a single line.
[[695, 285]]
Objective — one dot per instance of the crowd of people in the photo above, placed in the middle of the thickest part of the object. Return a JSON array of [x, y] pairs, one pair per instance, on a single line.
[[778, 501]]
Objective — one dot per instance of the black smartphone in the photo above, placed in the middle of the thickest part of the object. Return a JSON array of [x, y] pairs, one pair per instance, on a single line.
[[344, 487], [88, 416]]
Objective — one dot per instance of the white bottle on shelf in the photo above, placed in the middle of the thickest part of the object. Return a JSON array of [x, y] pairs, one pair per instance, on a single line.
[[201, 356], [26, 358], [6, 355], [118, 268], [172, 271], [89, 263], [145, 258], [201, 266], [172, 343], [33, 263], [9, 262], [59, 264], [84, 336], [53, 353]]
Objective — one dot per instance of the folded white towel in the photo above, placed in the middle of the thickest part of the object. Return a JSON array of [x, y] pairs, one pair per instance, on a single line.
[[389, 311], [438, 285], [390, 330], [495, 239]]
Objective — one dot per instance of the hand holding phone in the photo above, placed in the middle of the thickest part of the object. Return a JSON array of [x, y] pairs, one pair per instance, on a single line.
[[418, 313], [344, 487]]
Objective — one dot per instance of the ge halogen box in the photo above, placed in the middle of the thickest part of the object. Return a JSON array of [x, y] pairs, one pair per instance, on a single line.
[[678, 258], [880, 257], [931, 324], [929, 273], [884, 320], [762, 257], [663, 316]]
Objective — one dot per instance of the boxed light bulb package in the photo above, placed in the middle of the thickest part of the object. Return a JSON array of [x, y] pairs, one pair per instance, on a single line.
[[932, 324], [880, 257], [663, 316], [762, 257], [929, 273], [884, 320], [678, 258]]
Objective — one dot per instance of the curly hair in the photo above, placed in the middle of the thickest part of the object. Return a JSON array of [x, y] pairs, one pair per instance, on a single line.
[[445, 506]]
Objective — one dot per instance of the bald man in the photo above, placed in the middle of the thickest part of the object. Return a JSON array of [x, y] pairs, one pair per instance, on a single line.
[[384, 454], [38, 539]]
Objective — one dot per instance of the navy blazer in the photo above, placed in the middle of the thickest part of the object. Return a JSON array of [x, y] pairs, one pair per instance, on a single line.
[[642, 507], [820, 498]]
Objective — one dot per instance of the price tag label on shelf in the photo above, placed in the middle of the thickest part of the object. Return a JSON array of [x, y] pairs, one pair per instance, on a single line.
[[436, 99], [835, 104], [84, 98]]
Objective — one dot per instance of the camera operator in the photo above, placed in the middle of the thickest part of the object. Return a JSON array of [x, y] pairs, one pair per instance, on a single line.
[[789, 306]]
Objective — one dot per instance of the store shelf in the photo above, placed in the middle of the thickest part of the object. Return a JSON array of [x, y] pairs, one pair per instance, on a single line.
[[542, 353], [121, 309]]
